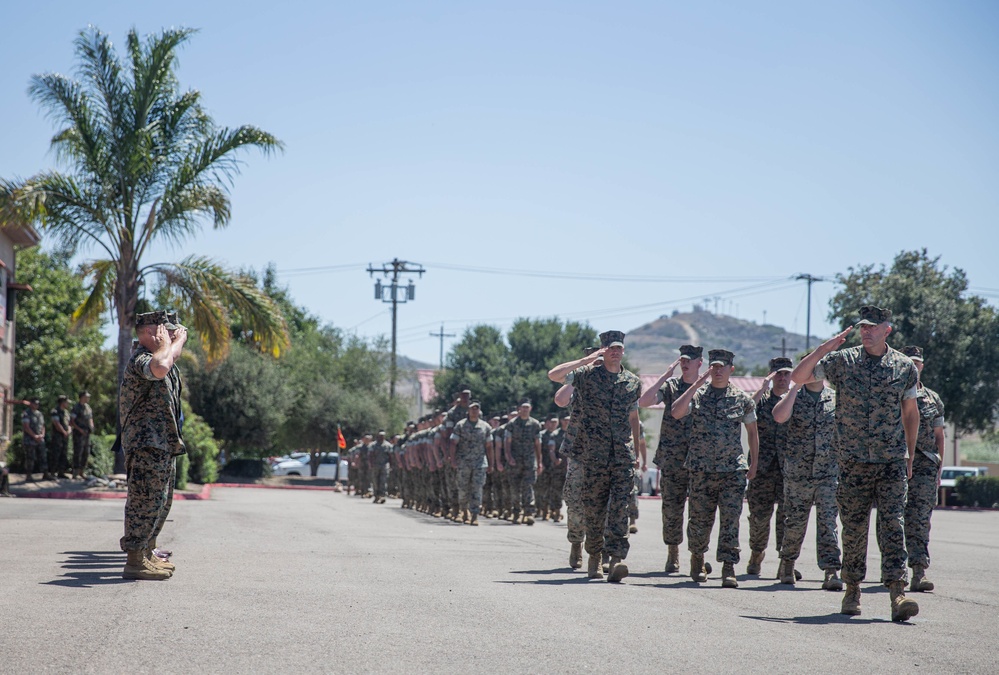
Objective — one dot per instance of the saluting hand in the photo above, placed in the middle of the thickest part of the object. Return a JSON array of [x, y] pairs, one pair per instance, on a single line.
[[160, 337], [834, 343]]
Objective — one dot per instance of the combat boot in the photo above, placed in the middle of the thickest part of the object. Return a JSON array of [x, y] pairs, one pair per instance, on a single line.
[[593, 567], [528, 520], [832, 581], [137, 567], [557, 517], [697, 572], [787, 572], [851, 600], [728, 576], [474, 520], [902, 608], [755, 565], [919, 581], [576, 555], [632, 527], [605, 562], [158, 562], [673, 559], [618, 570], [515, 519]]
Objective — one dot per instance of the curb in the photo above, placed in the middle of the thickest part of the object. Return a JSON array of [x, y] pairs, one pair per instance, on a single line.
[[206, 492]]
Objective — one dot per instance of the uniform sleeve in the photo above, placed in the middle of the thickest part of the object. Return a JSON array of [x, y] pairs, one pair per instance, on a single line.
[[571, 377], [911, 388], [938, 421], [829, 367], [142, 365], [749, 411]]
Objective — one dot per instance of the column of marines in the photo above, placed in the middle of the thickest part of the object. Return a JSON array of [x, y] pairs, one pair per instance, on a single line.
[[844, 430]]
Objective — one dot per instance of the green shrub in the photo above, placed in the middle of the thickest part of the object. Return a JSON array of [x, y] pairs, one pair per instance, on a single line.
[[101, 458], [202, 450], [183, 465], [981, 491], [15, 453]]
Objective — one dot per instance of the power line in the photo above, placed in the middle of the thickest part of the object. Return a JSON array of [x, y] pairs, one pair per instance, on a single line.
[[393, 270]]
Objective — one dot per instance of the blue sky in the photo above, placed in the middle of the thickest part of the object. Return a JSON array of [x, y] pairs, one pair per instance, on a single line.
[[727, 144]]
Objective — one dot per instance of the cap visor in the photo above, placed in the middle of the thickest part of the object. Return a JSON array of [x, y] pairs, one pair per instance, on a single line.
[[718, 363], [866, 322], [616, 344], [784, 370]]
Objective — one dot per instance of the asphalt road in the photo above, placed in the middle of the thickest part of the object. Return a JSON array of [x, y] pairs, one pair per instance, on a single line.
[[274, 581]]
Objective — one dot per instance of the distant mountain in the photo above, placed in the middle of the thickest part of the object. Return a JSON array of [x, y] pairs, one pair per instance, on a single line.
[[652, 347]]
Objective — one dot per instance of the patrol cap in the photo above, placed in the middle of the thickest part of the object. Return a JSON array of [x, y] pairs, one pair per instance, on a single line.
[[84, 393], [475, 404], [464, 389], [780, 363], [589, 350], [722, 357], [525, 401], [612, 338], [872, 316], [553, 418], [154, 319], [690, 352], [504, 418], [913, 352], [61, 397], [34, 399], [172, 319]]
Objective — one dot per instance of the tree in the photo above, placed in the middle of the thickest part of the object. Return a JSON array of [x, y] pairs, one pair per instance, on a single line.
[[52, 359], [931, 308], [501, 374], [147, 163]]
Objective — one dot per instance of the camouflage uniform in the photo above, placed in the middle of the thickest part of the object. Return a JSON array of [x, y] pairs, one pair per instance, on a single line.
[[83, 417], [572, 489], [543, 486], [872, 454], [558, 473], [604, 402], [674, 479], [523, 435], [151, 439], [470, 454], [717, 465], [810, 477], [922, 496], [34, 451], [767, 487], [379, 457], [58, 444]]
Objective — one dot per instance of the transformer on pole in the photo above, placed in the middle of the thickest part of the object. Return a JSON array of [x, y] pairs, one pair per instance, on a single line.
[[394, 293]]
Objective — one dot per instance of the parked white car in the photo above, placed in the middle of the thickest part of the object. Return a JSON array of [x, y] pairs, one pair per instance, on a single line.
[[950, 474], [330, 466]]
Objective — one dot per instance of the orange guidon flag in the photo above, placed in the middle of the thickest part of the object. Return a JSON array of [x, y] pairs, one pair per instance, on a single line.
[[341, 442]]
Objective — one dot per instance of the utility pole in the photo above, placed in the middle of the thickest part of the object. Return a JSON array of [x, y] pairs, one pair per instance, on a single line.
[[442, 335], [808, 321], [391, 293]]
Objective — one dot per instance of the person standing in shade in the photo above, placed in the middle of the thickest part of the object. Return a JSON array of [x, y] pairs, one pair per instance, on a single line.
[[674, 437], [33, 428], [811, 472], [926, 467], [468, 440], [606, 401], [81, 417], [717, 462], [877, 423], [767, 488], [379, 457], [59, 443]]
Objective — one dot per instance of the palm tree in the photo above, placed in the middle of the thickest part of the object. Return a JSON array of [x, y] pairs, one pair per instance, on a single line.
[[147, 163]]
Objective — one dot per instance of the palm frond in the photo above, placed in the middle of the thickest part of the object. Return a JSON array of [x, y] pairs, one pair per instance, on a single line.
[[213, 295], [103, 275]]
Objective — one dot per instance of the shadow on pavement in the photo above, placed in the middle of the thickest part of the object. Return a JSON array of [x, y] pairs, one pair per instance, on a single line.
[[820, 620], [582, 579], [91, 568], [556, 570]]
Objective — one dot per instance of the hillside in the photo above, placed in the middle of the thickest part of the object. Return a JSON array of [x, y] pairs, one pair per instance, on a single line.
[[653, 346]]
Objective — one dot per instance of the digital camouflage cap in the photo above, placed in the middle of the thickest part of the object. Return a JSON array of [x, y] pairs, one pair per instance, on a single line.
[[781, 363], [872, 316], [612, 338], [154, 319], [690, 352], [913, 352], [721, 356]]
